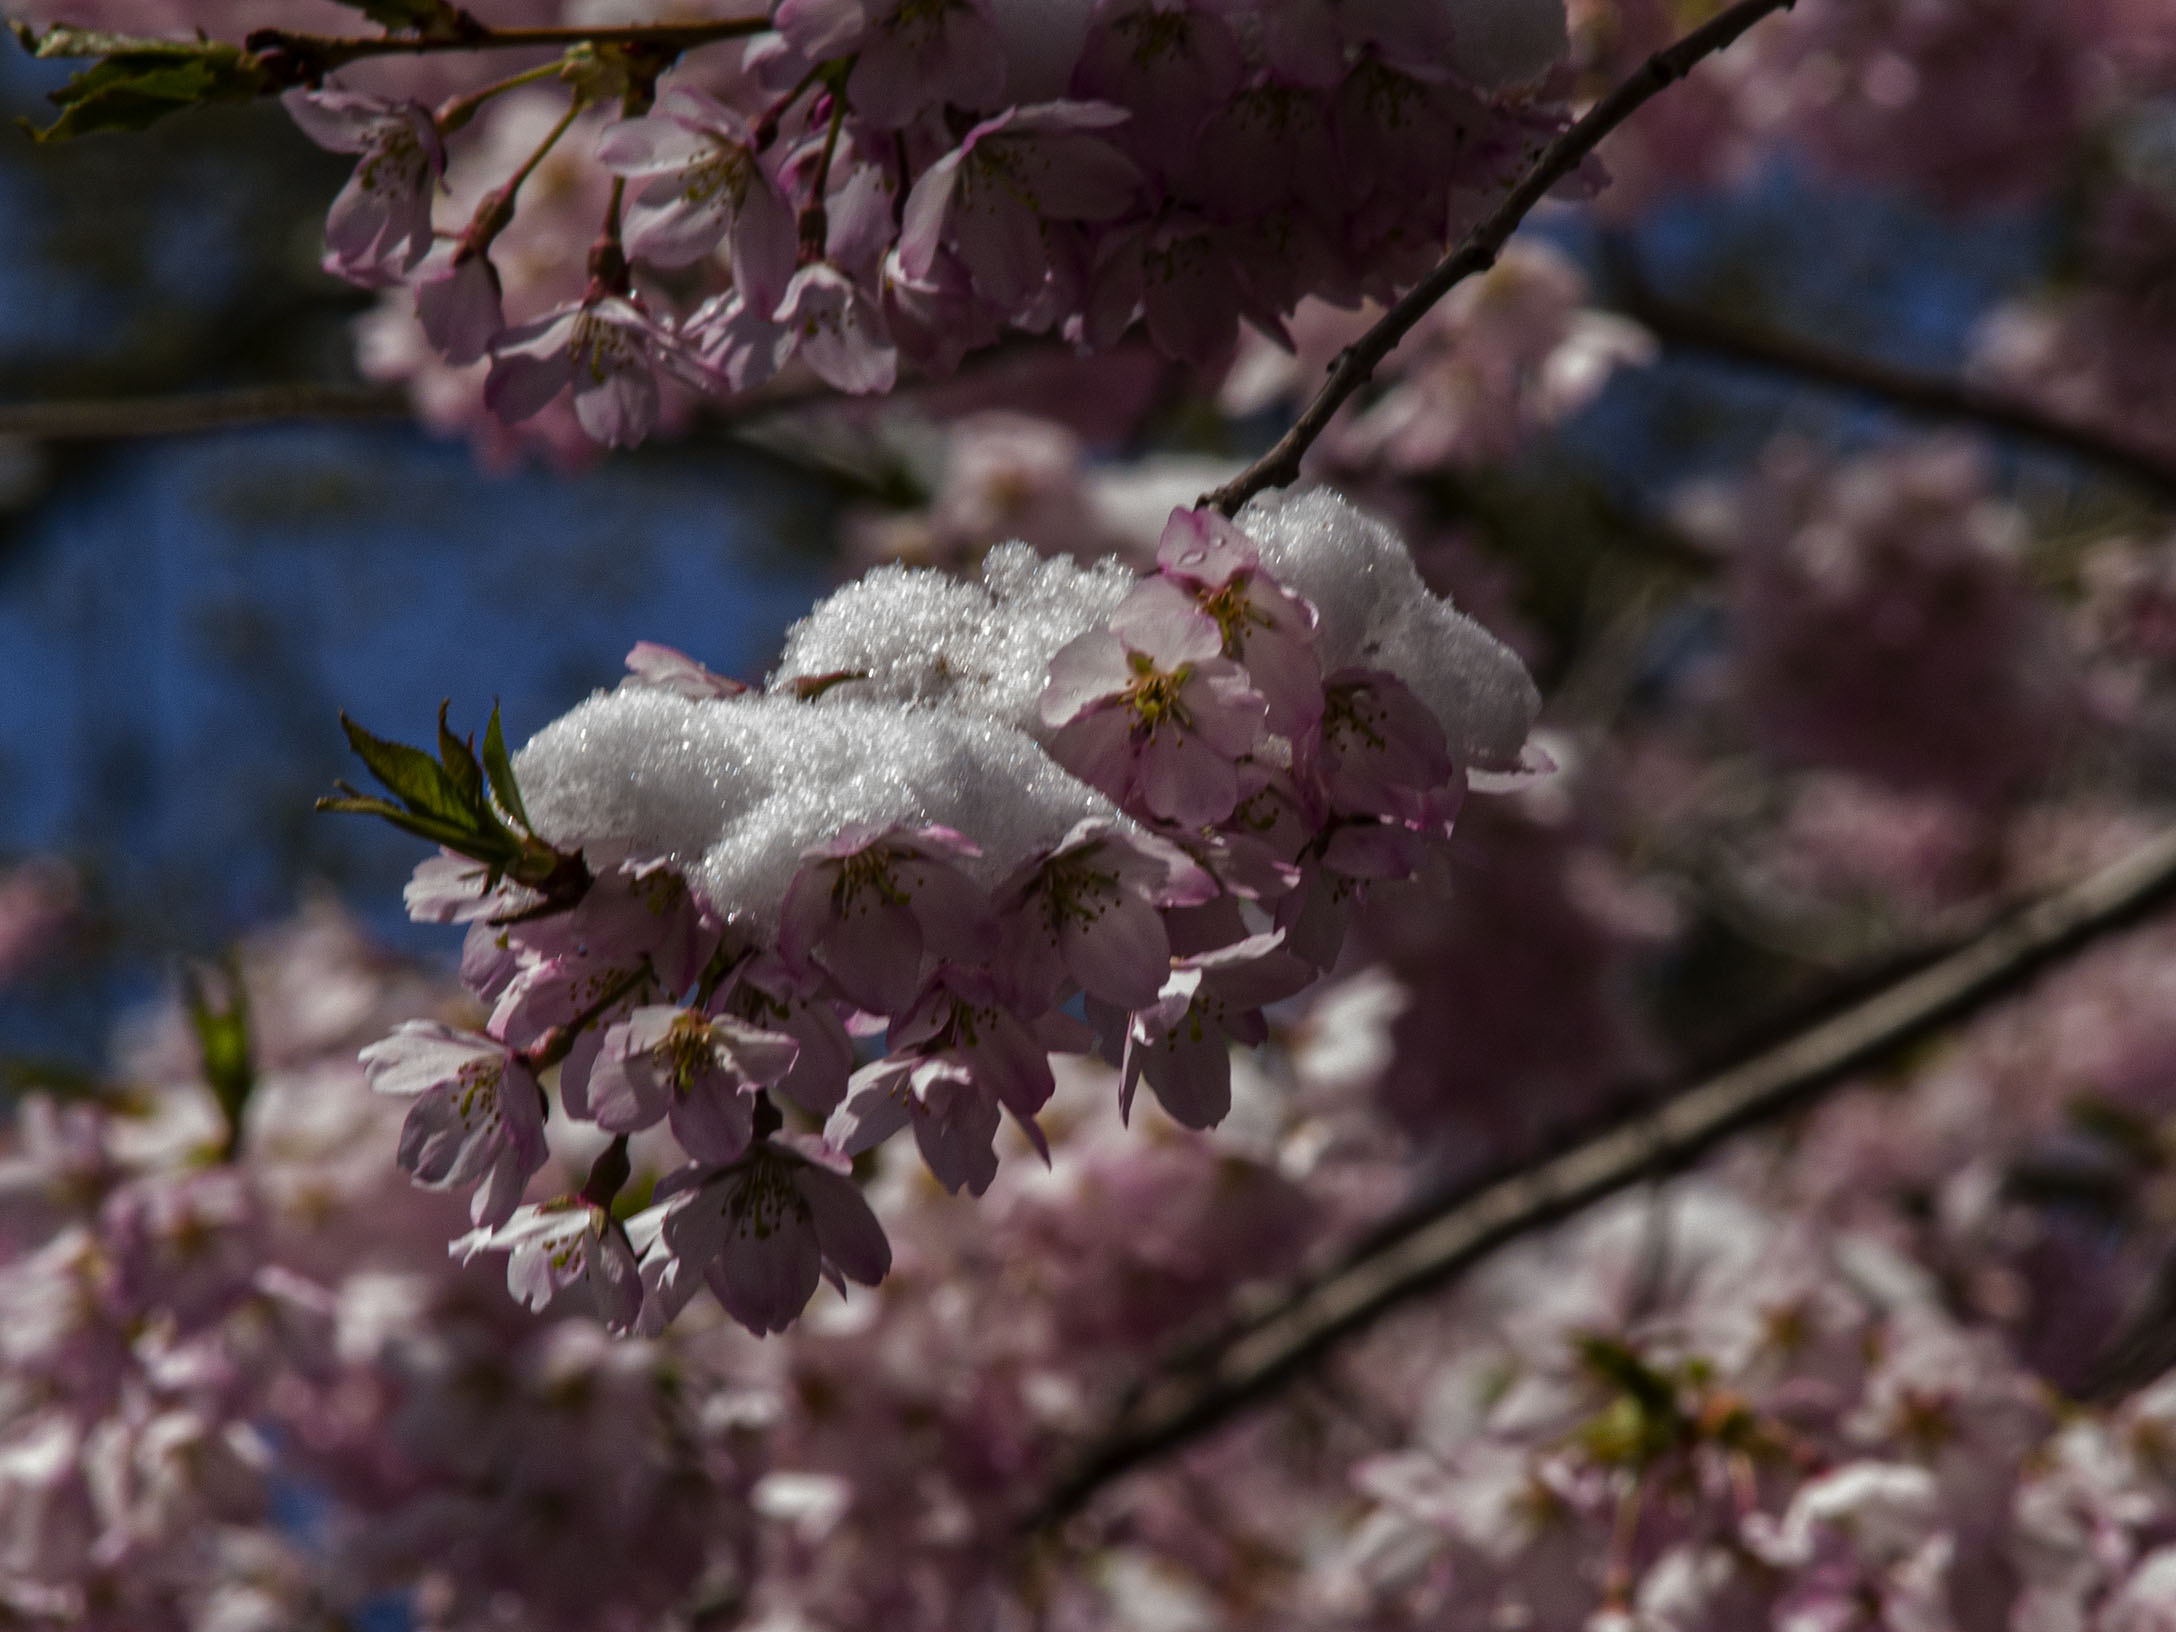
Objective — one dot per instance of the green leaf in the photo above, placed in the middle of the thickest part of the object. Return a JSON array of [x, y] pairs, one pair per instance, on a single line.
[[462, 770], [499, 766], [460, 839], [412, 776], [139, 82], [223, 1044]]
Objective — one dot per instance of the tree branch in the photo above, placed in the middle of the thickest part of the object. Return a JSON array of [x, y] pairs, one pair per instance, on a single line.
[[1356, 364], [1925, 394], [315, 54], [1260, 1354], [99, 419]]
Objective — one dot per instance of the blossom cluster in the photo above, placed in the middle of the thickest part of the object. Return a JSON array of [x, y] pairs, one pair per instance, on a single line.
[[868, 186], [1067, 808]]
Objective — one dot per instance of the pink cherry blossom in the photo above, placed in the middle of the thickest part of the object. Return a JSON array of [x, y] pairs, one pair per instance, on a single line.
[[556, 1246], [609, 352], [764, 1231], [909, 54], [701, 1073], [699, 182], [479, 1113], [867, 907], [1382, 753], [638, 929], [1150, 710], [954, 1118], [457, 302], [1265, 626], [1167, 65], [380, 225], [834, 326], [1088, 912], [989, 198], [1182, 1044], [764, 993]]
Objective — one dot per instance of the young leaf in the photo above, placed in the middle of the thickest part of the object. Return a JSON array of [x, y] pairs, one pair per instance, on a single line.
[[499, 766], [223, 1045], [462, 770], [465, 840], [412, 776]]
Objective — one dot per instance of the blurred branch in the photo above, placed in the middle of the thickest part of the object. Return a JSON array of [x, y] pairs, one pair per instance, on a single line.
[[313, 54], [1257, 1355], [99, 419], [1931, 395], [1356, 364]]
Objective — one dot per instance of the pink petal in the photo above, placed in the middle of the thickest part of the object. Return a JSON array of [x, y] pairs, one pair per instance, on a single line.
[[764, 1281], [846, 1229], [1098, 748], [1191, 1080], [1083, 671], [714, 1120], [1161, 620], [1120, 955], [1186, 782]]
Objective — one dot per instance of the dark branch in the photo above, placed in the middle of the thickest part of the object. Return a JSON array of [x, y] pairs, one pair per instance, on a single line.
[[1356, 364], [309, 55], [1924, 394], [97, 419], [1259, 1355]]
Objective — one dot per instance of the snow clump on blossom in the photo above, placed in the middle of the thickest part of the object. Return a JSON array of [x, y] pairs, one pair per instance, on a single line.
[[954, 808]]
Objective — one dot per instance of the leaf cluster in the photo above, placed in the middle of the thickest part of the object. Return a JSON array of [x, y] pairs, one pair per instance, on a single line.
[[465, 801], [137, 82]]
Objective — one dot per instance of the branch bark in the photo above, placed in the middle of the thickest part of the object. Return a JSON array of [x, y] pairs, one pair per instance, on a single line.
[[1356, 364], [1924, 394], [1259, 1355], [314, 54], [99, 419]]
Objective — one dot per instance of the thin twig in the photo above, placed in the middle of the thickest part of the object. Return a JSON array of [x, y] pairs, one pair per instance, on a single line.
[[1316, 1315], [320, 53], [1925, 394], [1356, 364], [99, 419]]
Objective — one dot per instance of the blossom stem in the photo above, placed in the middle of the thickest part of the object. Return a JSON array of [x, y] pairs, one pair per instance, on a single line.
[[766, 131], [815, 225], [558, 1043], [496, 213], [457, 111], [607, 1174], [1356, 364]]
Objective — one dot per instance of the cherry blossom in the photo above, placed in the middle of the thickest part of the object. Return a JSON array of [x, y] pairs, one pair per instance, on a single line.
[[1088, 913], [607, 351], [701, 1073], [1182, 1043], [762, 1233], [868, 906], [555, 1245], [1151, 711], [479, 1113], [380, 225], [700, 183]]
